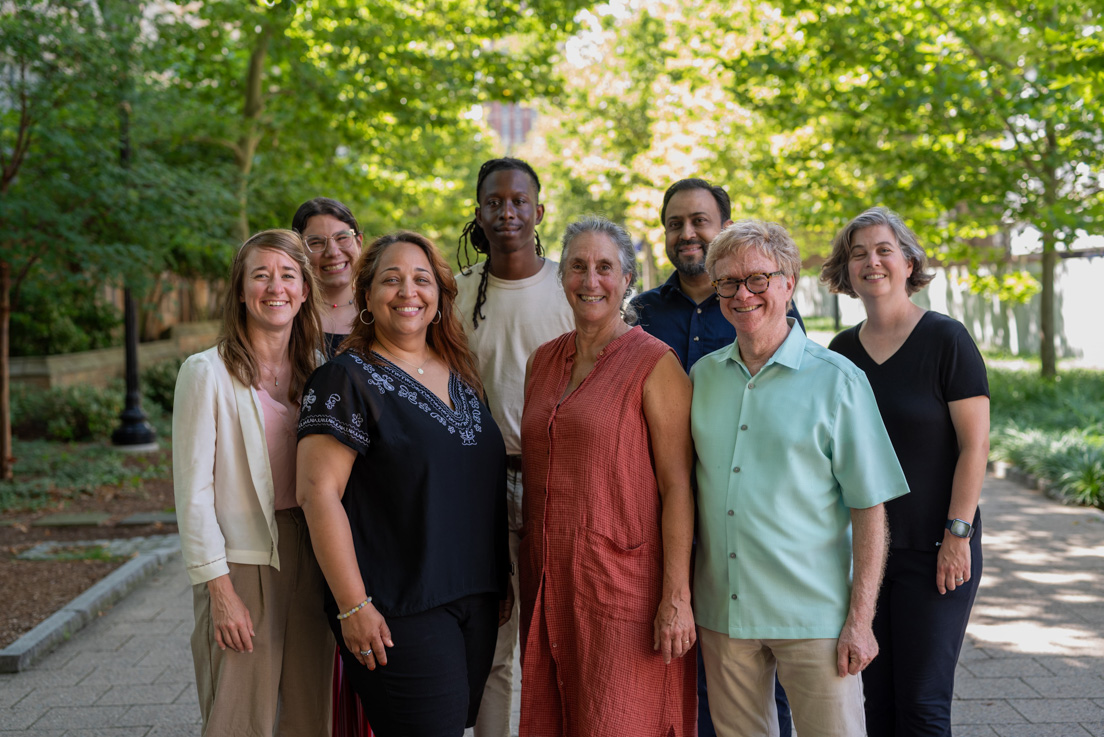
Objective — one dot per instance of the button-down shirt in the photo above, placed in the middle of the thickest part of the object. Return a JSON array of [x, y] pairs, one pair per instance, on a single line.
[[693, 330], [782, 458]]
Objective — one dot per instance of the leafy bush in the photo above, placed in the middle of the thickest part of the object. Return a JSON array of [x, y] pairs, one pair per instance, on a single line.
[[75, 413], [159, 382], [44, 325], [1052, 429]]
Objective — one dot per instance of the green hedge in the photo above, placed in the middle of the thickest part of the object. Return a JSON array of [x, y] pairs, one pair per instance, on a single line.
[[1052, 429]]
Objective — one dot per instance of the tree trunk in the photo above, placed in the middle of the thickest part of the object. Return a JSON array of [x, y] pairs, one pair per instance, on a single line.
[[7, 462], [252, 108], [1047, 321]]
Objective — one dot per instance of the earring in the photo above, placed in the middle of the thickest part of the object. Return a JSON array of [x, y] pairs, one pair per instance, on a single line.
[[362, 317], [434, 322]]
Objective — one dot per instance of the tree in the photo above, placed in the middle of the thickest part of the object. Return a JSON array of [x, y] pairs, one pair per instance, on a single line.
[[368, 103], [963, 116]]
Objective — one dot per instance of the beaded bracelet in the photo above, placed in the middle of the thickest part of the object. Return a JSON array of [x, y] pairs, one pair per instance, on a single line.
[[355, 609]]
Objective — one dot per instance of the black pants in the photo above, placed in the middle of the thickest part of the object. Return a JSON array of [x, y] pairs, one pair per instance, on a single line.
[[909, 686], [433, 681]]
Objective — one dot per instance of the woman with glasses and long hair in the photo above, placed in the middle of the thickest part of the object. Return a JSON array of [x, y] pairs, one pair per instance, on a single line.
[[933, 394], [334, 242], [402, 477], [261, 645]]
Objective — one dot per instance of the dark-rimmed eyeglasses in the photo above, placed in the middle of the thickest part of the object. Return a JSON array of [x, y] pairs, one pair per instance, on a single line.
[[755, 283], [341, 239]]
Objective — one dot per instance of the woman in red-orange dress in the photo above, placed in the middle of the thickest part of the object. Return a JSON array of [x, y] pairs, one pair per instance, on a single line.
[[605, 554]]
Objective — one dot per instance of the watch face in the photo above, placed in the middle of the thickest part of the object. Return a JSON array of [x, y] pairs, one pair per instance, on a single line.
[[959, 528]]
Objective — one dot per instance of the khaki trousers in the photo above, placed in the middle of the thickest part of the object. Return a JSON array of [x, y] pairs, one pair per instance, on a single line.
[[494, 709], [284, 686], [741, 674]]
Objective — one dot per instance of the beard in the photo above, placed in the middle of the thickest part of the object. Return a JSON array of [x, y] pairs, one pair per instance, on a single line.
[[690, 265]]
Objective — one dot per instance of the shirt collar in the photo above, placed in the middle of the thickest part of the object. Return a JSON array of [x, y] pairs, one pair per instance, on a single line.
[[788, 354]]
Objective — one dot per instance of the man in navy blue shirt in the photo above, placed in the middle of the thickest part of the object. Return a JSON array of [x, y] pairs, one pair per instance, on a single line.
[[684, 313]]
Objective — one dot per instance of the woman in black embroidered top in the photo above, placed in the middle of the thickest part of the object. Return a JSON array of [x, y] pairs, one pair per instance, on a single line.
[[401, 476], [933, 395]]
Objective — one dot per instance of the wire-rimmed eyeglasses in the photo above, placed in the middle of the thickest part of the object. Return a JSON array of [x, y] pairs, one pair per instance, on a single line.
[[755, 283], [341, 239]]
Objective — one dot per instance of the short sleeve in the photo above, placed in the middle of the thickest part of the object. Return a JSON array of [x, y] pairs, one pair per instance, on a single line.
[[863, 460], [962, 371], [334, 405]]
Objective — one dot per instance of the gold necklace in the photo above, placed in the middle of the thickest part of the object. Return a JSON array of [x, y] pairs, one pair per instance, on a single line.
[[275, 376]]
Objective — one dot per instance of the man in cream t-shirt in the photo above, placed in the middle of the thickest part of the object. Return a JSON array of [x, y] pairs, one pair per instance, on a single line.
[[509, 304]]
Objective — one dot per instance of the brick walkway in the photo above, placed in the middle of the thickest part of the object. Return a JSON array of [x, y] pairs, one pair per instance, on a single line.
[[1033, 665]]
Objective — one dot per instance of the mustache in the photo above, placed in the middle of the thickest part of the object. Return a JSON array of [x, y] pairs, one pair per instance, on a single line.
[[692, 242]]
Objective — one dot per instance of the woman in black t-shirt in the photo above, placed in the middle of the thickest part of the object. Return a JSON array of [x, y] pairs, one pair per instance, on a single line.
[[402, 479], [933, 394]]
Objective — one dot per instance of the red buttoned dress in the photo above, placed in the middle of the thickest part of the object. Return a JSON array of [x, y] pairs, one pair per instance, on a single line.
[[592, 554]]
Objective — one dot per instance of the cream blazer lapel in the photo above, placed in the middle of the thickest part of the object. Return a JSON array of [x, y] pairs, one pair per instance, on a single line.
[[251, 421]]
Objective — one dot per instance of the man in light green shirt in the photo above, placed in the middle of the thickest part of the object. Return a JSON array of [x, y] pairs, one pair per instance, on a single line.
[[793, 465]]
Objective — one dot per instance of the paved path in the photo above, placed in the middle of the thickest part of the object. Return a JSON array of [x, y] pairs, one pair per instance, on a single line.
[[1033, 664]]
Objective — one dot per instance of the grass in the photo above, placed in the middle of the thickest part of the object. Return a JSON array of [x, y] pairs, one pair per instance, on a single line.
[[47, 472], [1053, 430]]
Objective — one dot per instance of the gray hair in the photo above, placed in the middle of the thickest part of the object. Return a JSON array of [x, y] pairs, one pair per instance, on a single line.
[[834, 271], [769, 239], [626, 253]]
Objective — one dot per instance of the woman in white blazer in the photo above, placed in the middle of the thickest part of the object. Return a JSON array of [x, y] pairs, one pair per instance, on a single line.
[[261, 645]]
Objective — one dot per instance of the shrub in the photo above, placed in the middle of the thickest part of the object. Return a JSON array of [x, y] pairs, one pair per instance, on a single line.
[[159, 382], [75, 413]]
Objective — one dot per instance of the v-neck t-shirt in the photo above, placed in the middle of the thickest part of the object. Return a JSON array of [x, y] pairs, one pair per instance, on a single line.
[[938, 363]]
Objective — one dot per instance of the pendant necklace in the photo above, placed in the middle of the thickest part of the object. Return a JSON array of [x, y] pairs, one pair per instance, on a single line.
[[275, 376], [416, 368], [335, 305]]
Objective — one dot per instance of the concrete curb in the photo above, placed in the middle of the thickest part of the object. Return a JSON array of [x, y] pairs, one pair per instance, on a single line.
[[82, 610]]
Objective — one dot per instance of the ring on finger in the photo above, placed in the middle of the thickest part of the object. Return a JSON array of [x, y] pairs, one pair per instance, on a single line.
[[367, 652], [959, 580]]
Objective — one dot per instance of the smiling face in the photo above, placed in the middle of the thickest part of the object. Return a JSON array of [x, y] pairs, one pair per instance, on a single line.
[[508, 210], [334, 264], [273, 290], [876, 266], [593, 280], [404, 296], [755, 314], [691, 222]]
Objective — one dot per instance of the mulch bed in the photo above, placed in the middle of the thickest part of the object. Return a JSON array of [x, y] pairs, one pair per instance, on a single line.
[[33, 590]]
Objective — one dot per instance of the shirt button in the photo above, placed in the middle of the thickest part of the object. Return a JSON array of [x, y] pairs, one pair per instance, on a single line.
[[751, 385], [699, 310], [731, 513], [695, 339], [736, 470], [743, 427], [733, 597], [553, 644], [730, 555]]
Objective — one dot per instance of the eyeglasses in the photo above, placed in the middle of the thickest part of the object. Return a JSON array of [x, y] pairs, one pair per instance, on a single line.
[[755, 283], [341, 239]]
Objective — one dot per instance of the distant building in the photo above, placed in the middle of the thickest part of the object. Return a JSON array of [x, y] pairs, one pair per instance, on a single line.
[[512, 122]]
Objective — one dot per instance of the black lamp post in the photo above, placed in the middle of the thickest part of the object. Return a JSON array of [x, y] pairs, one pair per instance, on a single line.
[[135, 433]]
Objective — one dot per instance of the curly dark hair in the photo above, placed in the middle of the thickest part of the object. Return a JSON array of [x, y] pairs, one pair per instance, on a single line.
[[473, 237]]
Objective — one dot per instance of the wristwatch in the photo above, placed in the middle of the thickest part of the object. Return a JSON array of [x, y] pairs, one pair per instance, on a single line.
[[960, 528]]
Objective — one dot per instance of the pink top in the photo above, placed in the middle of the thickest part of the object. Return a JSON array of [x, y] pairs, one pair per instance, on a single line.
[[280, 424]]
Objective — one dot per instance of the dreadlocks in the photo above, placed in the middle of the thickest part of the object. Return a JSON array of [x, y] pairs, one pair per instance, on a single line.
[[473, 237]]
